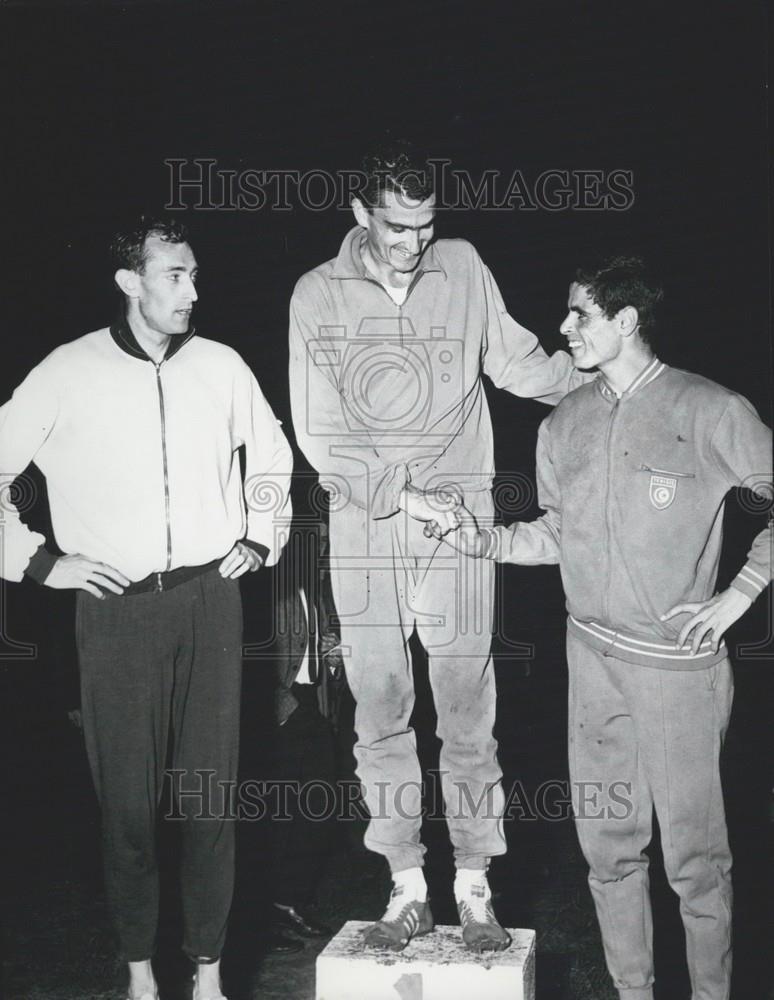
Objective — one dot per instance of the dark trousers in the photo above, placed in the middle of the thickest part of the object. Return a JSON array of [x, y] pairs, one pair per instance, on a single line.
[[162, 671], [303, 759]]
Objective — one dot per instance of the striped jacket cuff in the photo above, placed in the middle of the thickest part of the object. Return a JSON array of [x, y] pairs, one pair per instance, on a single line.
[[750, 582]]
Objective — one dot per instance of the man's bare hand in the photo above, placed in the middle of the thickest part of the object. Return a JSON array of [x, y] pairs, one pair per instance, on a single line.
[[468, 538], [715, 615], [436, 507], [76, 572], [241, 559]]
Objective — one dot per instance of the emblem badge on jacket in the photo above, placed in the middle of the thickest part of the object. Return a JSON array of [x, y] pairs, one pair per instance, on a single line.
[[662, 491]]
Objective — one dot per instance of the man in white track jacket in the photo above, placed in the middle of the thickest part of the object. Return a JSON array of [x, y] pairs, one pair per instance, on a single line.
[[137, 429]]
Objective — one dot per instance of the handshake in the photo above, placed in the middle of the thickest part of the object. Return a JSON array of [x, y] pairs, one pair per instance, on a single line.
[[445, 517]]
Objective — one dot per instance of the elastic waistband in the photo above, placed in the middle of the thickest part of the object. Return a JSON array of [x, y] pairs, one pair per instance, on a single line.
[[159, 582], [651, 652]]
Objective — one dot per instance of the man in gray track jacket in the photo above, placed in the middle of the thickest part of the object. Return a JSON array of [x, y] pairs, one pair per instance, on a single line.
[[633, 471]]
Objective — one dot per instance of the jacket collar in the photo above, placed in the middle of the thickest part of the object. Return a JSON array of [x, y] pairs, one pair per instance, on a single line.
[[651, 371], [349, 263], [122, 334]]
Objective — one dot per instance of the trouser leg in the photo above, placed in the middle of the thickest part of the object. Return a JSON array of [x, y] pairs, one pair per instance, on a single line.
[[681, 718], [369, 593], [613, 809], [205, 720], [125, 656], [386, 749], [454, 606]]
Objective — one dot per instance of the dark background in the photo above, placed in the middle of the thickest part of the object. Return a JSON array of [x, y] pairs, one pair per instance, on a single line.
[[97, 96]]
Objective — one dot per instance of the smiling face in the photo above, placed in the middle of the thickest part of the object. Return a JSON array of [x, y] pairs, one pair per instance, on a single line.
[[397, 234], [165, 288], [594, 340]]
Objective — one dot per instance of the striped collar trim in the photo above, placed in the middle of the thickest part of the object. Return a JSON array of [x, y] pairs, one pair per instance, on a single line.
[[650, 372]]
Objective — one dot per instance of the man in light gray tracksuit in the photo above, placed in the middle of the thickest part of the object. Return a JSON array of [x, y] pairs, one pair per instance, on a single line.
[[633, 471], [389, 341]]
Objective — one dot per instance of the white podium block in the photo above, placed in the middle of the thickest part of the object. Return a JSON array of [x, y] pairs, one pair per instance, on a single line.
[[435, 967]]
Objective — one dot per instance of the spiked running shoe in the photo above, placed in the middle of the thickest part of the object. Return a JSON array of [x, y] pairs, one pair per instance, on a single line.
[[403, 920], [481, 930]]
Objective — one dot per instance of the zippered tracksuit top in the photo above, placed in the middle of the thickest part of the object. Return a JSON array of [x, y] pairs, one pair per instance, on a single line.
[[634, 489], [143, 474], [384, 395], [139, 458]]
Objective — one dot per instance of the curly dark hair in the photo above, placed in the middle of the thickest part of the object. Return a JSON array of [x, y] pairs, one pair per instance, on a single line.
[[396, 165], [127, 248], [623, 280]]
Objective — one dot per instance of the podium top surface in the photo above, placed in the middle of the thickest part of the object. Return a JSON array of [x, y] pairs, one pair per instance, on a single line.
[[443, 946]]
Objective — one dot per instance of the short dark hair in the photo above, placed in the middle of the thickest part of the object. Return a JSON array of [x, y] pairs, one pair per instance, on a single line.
[[623, 280], [127, 248], [396, 165]]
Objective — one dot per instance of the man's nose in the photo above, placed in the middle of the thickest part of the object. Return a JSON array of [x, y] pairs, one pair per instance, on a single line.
[[412, 241], [567, 326], [192, 291]]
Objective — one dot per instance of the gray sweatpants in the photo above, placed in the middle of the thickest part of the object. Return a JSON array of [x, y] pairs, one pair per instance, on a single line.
[[388, 579], [161, 670], [643, 737]]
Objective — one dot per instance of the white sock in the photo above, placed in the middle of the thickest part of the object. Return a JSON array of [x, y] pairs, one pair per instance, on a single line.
[[412, 882], [466, 878]]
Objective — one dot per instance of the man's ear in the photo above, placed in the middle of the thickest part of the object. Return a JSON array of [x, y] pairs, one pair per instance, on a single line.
[[360, 212], [628, 319], [128, 281]]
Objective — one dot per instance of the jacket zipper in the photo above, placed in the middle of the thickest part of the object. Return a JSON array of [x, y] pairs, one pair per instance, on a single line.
[[608, 519], [398, 305], [159, 583]]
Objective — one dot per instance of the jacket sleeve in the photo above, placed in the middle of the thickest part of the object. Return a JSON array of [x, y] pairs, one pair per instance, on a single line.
[[268, 468], [741, 448], [344, 458], [532, 543], [26, 420], [514, 359]]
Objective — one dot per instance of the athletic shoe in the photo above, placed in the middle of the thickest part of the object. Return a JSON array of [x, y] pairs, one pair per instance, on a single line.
[[403, 920]]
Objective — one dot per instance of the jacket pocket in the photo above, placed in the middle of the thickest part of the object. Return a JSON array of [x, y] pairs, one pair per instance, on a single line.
[[663, 485], [666, 472]]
